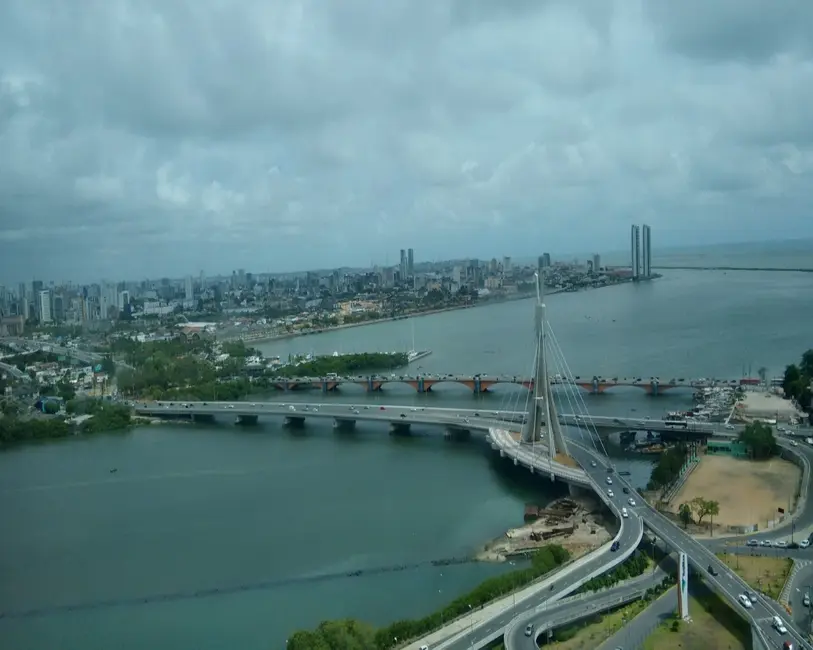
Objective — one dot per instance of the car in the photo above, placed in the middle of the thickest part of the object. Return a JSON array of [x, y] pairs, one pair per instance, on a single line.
[[610, 494], [631, 501], [626, 490], [616, 545], [403, 415], [766, 542], [780, 543], [745, 601], [593, 463], [712, 570], [609, 481], [804, 543], [806, 600], [753, 542], [624, 513], [779, 625], [424, 647], [529, 629]]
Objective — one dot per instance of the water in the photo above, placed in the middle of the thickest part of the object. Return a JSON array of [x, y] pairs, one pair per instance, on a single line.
[[196, 508]]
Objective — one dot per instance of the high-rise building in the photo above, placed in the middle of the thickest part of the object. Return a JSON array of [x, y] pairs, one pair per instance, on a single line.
[[596, 264], [411, 262], [647, 252], [402, 267], [506, 265], [188, 291], [543, 261], [635, 253], [44, 306]]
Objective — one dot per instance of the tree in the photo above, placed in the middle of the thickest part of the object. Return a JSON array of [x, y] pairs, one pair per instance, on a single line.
[[806, 366], [759, 439], [763, 375], [704, 507], [685, 514]]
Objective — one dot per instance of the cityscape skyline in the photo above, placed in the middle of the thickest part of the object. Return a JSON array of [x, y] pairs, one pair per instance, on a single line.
[[221, 154]]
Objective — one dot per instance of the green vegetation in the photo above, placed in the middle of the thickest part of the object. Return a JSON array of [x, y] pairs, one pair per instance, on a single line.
[[668, 467], [167, 369], [106, 417], [632, 567], [797, 380], [351, 635], [346, 364], [759, 439], [592, 631]]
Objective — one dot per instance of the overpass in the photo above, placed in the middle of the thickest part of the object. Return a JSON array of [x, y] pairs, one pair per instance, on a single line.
[[345, 416], [85, 356], [14, 371], [482, 383]]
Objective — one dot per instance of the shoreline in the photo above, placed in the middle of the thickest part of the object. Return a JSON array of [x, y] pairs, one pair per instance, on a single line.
[[264, 338], [577, 524]]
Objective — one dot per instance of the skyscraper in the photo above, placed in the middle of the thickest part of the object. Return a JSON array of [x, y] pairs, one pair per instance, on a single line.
[[410, 262], [635, 257], [189, 293], [402, 267], [647, 252]]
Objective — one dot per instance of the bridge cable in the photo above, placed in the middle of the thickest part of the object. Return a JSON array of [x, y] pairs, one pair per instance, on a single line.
[[580, 399], [563, 388]]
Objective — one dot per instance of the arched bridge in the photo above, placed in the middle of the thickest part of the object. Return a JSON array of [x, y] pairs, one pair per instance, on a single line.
[[483, 383]]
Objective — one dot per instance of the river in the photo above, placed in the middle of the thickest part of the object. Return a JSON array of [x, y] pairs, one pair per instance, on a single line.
[[216, 536]]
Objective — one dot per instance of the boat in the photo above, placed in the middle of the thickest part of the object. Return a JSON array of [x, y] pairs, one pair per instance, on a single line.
[[413, 354]]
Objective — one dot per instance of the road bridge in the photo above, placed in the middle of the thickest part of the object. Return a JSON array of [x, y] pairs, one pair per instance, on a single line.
[[423, 383], [472, 419]]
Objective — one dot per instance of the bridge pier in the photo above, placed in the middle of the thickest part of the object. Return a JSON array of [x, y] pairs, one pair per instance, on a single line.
[[373, 385], [295, 420], [329, 386], [203, 417], [576, 491], [246, 419], [400, 428], [456, 433], [344, 424]]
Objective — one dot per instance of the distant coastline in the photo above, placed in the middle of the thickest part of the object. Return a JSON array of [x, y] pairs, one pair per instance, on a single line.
[[263, 337], [765, 269]]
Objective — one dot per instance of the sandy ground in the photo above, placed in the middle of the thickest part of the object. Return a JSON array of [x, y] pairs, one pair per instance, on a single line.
[[748, 492], [766, 405], [590, 532]]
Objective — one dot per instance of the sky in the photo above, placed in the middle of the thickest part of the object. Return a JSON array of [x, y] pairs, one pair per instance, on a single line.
[[148, 138]]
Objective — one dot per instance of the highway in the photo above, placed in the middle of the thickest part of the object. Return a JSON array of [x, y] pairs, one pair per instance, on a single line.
[[571, 578], [411, 415], [549, 615]]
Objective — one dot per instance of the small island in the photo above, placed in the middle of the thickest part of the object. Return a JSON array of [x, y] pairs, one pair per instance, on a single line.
[[344, 365]]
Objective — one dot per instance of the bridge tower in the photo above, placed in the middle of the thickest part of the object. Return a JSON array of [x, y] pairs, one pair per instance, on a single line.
[[542, 421]]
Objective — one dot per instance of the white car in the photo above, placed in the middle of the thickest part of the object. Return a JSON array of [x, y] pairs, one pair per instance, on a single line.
[[593, 463], [804, 543], [779, 625], [610, 494], [609, 481], [631, 501], [624, 513], [806, 600], [745, 601]]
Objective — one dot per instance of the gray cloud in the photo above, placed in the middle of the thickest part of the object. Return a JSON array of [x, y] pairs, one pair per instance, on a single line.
[[159, 138]]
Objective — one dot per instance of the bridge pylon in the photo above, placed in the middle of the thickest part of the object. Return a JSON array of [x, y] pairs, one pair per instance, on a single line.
[[542, 421]]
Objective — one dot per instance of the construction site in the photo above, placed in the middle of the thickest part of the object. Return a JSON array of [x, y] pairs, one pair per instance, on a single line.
[[577, 526]]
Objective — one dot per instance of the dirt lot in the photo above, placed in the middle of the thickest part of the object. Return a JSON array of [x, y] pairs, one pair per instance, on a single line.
[[748, 492]]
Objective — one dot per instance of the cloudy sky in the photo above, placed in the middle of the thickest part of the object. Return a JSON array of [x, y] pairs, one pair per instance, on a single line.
[[164, 137]]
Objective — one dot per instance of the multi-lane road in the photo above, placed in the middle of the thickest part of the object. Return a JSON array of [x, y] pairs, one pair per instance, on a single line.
[[407, 415]]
